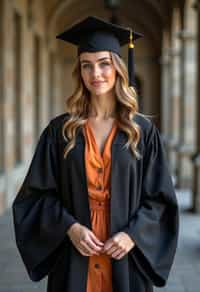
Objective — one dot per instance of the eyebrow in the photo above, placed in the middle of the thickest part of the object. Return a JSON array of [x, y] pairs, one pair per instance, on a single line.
[[99, 60]]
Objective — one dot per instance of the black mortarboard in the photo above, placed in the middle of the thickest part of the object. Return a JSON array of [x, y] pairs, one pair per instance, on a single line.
[[94, 34]]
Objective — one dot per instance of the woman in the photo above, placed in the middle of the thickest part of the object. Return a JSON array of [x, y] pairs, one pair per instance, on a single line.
[[97, 210]]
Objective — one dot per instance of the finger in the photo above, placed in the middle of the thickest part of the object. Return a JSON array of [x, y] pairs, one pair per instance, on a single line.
[[117, 252], [120, 256], [88, 248], [96, 240], [111, 250], [84, 253], [92, 245], [108, 245], [82, 250]]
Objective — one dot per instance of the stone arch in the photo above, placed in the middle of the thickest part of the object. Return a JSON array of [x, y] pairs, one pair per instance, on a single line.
[[148, 50], [57, 19]]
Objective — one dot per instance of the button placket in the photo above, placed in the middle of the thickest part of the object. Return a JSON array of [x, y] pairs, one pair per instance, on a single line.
[[99, 186], [97, 266], [100, 170]]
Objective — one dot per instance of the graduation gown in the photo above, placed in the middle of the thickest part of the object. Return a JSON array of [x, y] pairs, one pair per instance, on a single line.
[[54, 195]]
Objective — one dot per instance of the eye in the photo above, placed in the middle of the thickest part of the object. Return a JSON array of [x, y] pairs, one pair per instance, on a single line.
[[86, 66], [104, 64]]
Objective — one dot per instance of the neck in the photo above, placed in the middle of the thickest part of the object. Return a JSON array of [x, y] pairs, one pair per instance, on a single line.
[[103, 106]]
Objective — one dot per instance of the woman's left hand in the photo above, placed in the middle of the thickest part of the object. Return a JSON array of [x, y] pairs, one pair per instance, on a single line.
[[118, 246]]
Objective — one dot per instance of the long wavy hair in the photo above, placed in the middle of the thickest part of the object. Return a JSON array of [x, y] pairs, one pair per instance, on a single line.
[[78, 105]]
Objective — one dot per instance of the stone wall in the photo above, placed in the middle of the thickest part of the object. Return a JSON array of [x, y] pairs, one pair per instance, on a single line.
[[24, 91], [35, 76]]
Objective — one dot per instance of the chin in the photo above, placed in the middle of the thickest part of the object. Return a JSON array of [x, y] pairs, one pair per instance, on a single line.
[[100, 92]]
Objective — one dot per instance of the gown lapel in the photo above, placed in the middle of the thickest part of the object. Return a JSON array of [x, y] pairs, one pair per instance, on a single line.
[[118, 142]]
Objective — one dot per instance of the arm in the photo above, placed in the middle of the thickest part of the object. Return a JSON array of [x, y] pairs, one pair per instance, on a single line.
[[154, 228], [40, 220]]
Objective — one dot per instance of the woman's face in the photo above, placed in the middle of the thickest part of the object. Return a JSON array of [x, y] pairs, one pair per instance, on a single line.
[[98, 72]]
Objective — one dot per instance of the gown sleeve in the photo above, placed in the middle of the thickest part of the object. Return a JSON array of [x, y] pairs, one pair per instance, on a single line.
[[154, 228], [40, 220]]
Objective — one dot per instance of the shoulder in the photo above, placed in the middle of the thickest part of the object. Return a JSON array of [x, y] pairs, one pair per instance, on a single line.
[[55, 126], [147, 127], [58, 121], [144, 122]]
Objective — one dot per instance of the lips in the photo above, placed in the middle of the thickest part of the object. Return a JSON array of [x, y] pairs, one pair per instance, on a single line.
[[96, 83]]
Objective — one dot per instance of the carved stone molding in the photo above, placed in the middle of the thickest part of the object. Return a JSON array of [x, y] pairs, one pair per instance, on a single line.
[[186, 35]]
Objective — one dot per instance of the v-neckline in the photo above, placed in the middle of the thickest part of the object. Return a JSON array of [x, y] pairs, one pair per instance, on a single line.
[[106, 140]]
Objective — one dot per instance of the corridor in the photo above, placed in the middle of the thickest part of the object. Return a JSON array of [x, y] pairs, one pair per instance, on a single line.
[[184, 277]]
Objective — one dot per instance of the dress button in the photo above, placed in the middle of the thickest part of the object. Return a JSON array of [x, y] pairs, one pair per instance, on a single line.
[[99, 170], [97, 266], [99, 187]]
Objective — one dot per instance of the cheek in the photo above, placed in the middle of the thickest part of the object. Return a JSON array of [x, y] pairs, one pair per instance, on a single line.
[[85, 78], [111, 75]]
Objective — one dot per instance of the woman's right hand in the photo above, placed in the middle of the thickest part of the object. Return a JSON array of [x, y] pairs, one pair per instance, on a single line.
[[84, 240]]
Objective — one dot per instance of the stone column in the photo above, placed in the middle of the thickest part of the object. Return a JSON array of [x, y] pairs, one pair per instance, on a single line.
[[57, 81], [2, 110], [181, 143], [184, 149], [172, 140], [166, 94], [196, 160]]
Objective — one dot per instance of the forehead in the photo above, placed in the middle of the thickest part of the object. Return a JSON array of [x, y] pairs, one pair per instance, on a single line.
[[93, 57]]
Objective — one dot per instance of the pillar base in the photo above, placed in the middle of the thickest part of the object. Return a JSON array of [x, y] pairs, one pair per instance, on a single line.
[[196, 184], [171, 144], [184, 151]]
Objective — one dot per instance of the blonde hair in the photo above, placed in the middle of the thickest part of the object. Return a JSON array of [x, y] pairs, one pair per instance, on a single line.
[[126, 107]]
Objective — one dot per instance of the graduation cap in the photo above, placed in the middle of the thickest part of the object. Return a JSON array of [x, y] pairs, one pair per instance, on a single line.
[[94, 34]]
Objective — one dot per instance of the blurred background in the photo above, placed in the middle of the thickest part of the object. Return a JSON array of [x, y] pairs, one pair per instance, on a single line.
[[35, 80]]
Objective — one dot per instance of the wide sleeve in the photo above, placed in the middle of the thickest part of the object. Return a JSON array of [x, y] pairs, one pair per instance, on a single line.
[[40, 220], [154, 228]]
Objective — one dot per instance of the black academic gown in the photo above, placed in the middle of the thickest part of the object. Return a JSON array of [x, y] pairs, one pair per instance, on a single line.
[[54, 195]]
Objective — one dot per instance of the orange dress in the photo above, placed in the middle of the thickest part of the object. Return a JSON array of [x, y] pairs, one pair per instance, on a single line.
[[98, 178]]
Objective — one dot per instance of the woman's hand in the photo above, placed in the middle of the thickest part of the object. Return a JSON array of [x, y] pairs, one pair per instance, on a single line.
[[84, 240], [118, 246]]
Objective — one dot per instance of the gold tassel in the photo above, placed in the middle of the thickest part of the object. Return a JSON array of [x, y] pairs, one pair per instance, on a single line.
[[131, 44]]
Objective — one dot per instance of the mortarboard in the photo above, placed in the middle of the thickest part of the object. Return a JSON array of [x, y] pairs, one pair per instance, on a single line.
[[94, 34]]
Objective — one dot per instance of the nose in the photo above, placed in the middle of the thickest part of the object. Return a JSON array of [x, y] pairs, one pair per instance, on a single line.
[[96, 71]]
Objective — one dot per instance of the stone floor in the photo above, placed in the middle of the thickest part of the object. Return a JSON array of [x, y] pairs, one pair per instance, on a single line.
[[184, 277], [185, 274]]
